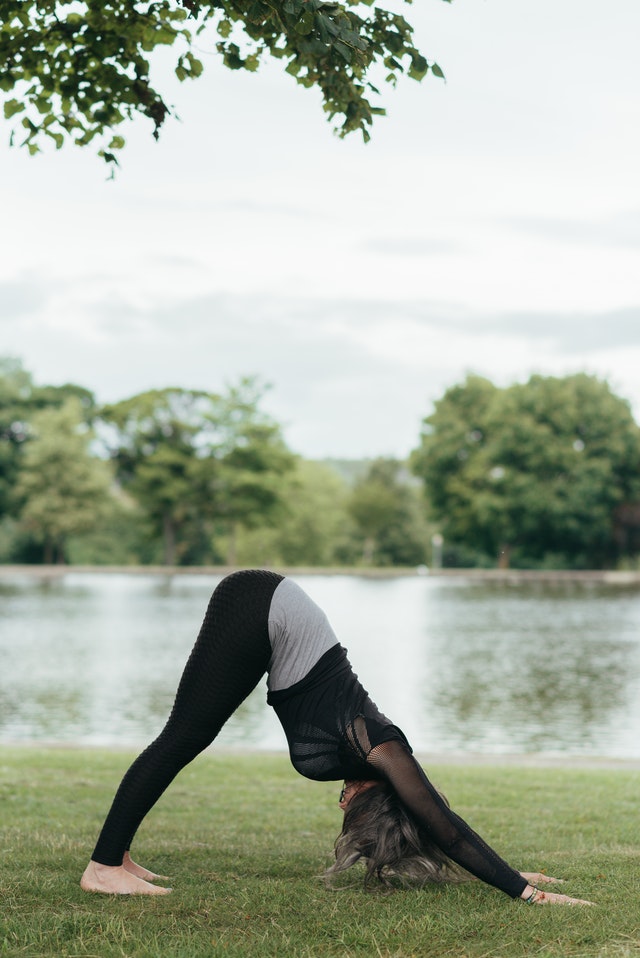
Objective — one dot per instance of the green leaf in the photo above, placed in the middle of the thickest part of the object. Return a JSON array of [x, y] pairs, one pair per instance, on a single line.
[[326, 25], [304, 26], [117, 143], [12, 107], [196, 66], [394, 42], [344, 51], [435, 69], [166, 35], [419, 67], [58, 138]]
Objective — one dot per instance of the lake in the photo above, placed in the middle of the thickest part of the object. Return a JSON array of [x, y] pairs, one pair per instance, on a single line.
[[461, 665]]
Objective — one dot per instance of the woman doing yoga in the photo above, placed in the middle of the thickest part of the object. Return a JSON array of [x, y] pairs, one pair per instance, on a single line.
[[394, 818]]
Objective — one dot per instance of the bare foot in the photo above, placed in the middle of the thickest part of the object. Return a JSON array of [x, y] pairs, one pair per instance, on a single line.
[[116, 880], [139, 871]]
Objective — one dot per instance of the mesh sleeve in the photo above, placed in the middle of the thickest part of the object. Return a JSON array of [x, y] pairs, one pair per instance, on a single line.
[[449, 832]]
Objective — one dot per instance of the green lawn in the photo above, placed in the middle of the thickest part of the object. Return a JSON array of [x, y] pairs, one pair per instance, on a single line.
[[245, 839]]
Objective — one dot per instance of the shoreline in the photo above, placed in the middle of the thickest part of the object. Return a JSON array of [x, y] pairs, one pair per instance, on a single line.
[[604, 576]]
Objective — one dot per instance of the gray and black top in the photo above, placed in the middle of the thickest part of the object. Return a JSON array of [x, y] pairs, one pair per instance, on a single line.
[[317, 695]]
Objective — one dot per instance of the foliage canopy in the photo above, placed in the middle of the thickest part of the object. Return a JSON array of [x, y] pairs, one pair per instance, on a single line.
[[386, 512], [77, 69], [540, 472], [20, 400], [62, 489], [192, 456]]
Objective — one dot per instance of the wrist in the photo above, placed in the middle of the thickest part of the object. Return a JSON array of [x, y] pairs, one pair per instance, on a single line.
[[529, 894]]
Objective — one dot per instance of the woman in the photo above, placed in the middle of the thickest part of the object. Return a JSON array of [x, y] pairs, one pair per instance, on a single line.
[[395, 820]]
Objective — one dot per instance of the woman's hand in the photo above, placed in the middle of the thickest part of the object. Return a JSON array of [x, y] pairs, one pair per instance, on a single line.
[[537, 878], [550, 898]]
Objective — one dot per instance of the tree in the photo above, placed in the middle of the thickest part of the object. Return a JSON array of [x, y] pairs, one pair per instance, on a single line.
[[15, 386], [315, 529], [190, 457], [80, 68], [385, 511], [20, 400], [536, 473], [246, 489], [449, 442], [62, 488]]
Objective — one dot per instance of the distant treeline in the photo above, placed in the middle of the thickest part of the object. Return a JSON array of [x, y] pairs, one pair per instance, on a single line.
[[544, 474]]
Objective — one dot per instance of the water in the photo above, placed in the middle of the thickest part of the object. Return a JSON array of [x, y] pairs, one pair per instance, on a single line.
[[461, 665]]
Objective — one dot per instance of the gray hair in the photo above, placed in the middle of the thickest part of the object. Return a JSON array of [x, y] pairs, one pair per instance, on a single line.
[[379, 831]]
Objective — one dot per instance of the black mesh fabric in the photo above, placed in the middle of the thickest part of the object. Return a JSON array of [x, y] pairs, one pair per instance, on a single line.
[[335, 731], [319, 714], [449, 832], [229, 658]]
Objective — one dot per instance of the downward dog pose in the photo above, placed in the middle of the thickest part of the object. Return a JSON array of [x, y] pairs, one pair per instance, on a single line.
[[395, 820]]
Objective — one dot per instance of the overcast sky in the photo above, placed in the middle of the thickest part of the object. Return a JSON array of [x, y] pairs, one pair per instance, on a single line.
[[492, 226]]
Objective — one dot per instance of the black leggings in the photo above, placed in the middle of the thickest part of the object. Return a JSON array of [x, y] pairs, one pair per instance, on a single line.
[[229, 658]]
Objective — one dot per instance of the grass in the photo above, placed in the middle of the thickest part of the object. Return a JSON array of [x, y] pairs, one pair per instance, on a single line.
[[244, 839]]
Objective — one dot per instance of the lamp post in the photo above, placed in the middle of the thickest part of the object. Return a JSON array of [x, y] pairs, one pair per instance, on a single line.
[[436, 550]]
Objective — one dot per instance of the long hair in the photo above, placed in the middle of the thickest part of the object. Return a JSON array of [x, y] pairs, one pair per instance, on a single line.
[[379, 831]]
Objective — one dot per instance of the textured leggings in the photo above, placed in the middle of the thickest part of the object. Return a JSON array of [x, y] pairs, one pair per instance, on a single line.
[[229, 658]]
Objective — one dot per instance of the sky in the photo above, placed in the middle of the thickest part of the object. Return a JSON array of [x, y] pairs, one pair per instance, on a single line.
[[491, 226]]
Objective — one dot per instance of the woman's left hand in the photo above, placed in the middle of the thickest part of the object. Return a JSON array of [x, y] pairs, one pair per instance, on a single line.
[[537, 878]]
